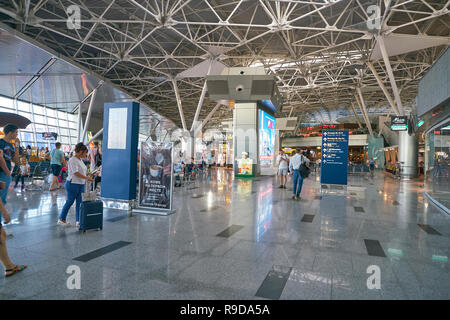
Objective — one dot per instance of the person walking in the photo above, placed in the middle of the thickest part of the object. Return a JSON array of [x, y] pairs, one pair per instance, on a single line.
[[283, 166], [24, 170], [57, 161], [10, 268], [10, 153], [77, 177], [294, 166], [95, 157], [371, 167]]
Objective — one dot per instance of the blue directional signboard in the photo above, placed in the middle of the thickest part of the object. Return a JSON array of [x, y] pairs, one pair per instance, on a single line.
[[334, 157]]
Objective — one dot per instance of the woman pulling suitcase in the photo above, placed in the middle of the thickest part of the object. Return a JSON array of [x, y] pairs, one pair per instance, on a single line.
[[74, 186]]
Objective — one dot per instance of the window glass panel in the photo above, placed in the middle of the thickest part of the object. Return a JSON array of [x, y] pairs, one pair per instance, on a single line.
[[52, 121], [63, 124], [7, 103], [51, 112], [6, 110], [64, 131], [41, 145], [72, 117], [23, 106], [39, 119], [40, 128], [26, 136], [64, 139], [38, 110], [73, 125], [26, 115], [62, 115]]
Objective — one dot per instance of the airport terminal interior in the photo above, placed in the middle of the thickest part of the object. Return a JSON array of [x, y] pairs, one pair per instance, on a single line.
[[225, 150]]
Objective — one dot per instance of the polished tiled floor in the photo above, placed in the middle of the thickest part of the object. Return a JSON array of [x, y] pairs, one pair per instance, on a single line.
[[241, 239]]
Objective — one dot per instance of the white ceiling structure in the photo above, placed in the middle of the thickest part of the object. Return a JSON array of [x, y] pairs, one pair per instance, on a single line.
[[328, 60]]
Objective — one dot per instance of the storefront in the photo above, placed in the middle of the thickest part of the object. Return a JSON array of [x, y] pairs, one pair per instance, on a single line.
[[437, 162]]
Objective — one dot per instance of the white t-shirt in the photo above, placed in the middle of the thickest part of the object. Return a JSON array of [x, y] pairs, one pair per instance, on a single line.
[[24, 169], [282, 164], [76, 165]]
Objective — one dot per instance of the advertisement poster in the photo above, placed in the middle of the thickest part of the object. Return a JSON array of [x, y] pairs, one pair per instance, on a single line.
[[266, 142], [245, 167], [155, 176], [334, 157]]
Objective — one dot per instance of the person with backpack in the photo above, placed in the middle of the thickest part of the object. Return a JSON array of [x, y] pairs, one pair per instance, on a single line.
[[57, 161], [298, 165]]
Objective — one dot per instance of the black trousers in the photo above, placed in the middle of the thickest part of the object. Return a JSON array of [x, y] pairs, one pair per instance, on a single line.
[[22, 177], [96, 181]]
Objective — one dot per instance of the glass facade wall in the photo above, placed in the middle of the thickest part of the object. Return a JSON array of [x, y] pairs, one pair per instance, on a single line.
[[43, 120]]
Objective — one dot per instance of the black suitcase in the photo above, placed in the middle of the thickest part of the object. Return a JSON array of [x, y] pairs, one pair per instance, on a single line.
[[91, 215]]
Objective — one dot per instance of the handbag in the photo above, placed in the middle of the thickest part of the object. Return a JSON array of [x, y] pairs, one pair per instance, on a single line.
[[88, 195]]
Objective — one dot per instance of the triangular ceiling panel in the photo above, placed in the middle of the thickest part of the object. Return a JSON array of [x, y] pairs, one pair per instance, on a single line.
[[403, 43], [201, 70]]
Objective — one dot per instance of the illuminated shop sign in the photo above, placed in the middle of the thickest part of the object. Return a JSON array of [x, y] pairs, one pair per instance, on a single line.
[[399, 123]]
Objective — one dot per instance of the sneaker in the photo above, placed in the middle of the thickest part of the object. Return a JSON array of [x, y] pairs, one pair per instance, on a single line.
[[294, 197], [62, 223], [281, 187], [77, 224], [298, 197]]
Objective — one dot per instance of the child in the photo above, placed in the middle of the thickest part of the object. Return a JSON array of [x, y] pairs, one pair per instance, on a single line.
[[24, 170]]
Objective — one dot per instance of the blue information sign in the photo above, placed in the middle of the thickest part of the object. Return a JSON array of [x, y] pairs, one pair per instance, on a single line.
[[334, 160]]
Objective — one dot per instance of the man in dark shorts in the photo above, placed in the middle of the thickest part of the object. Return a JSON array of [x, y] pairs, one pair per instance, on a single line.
[[10, 153], [56, 162]]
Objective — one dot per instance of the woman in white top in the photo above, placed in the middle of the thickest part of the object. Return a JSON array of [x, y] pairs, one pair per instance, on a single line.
[[75, 184]]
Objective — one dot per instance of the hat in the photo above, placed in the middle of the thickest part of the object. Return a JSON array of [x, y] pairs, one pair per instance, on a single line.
[[243, 152]]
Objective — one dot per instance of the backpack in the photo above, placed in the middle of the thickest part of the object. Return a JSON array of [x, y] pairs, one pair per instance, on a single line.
[[304, 170]]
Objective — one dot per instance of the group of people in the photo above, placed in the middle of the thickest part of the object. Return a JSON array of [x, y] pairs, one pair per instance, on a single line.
[[11, 152], [292, 165]]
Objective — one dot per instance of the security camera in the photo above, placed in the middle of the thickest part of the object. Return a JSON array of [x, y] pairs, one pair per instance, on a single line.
[[239, 88]]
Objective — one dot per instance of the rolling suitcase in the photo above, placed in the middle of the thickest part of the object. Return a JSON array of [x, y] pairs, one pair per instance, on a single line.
[[91, 215], [91, 212]]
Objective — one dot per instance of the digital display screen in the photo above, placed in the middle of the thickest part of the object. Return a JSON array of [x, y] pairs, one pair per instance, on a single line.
[[266, 142]]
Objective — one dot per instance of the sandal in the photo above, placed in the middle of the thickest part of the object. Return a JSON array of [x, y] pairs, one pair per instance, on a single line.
[[15, 270]]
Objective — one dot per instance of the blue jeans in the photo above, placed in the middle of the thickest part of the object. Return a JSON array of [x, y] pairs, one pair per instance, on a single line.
[[298, 181], [4, 192], [74, 192]]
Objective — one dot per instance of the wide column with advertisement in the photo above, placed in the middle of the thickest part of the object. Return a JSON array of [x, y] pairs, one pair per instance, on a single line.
[[156, 178], [245, 134], [119, 163], [334, 160]]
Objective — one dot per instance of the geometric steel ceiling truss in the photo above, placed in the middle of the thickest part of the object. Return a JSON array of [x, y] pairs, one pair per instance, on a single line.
[[318, 49]]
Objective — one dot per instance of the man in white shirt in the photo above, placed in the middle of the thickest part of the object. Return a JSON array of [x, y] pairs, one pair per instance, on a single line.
[[294, 166], [283, 165]]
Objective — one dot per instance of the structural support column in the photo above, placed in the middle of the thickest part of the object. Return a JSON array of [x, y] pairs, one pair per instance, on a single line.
[[245, 134], [391, 75], [383, 87], [96, 135], [407, 154], [80, 124], [362, 106], [180, 107], [88, 116], [356, 115], [202, 98]]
